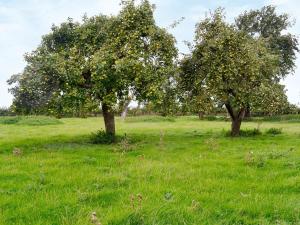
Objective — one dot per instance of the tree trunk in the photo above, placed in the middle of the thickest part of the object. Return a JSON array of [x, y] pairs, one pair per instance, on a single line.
[[109, 119], [236, 127], [201, 115], [125, 110], [236, 119]]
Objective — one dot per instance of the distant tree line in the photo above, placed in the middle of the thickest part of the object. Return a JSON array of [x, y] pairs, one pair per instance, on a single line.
[[104, 63]]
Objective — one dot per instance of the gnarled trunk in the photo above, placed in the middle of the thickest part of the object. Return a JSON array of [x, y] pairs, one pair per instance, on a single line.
[[236, 119], [109, 119], [236, 127]]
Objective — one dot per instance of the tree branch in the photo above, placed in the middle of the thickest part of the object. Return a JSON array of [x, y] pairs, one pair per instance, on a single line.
[[230, 110]]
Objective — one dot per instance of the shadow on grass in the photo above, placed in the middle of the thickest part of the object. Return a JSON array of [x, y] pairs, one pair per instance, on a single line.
[[70, 143], [126, 141]]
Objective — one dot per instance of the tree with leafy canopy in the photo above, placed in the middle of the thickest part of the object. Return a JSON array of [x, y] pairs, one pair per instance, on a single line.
[[193, 98], [230, 65], [106, 58], [265, 23], [271, 99], [168, 105], [42, 86]]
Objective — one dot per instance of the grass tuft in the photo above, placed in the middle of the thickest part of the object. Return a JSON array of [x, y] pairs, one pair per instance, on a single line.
[[101, 137], [274, 131], [246, 133]]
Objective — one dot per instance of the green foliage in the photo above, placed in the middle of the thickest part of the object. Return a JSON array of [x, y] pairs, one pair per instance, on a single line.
[[271, 99], [101, 60], [266, 23], [272, 27], [216, 66], [101, 137], [274, 131], [168, 105]]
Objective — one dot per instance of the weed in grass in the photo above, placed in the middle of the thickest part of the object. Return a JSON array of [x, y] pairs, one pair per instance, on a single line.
[[161, 140], [82, 196], [212, 144], [274, 154], [89, 160], [140, 200], [255, 160], [249, 159], [274, 131], [136, 218], [195, 206], [95, 219], [125, 145], [277, 155], [291, 149], [141, 157], [42, 179], [121, 159], [168, 196], [132, 201], [17, 152], [260, 161], [292, 165]]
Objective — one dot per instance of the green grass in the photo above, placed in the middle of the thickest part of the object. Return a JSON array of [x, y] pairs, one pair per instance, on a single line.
[[29, 120], [184, 171]]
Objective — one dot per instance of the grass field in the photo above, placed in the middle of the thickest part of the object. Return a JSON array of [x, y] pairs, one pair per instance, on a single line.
[[166, 172]]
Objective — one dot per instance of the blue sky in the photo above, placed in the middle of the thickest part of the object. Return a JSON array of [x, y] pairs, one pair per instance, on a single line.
[[23, 22]]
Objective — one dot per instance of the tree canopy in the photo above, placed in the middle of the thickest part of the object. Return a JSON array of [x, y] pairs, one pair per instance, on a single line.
[[229, 64], [103, 60], [109, 61], [266, 23]]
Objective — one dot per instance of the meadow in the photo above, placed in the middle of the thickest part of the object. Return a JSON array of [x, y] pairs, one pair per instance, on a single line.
[[163, 171]]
